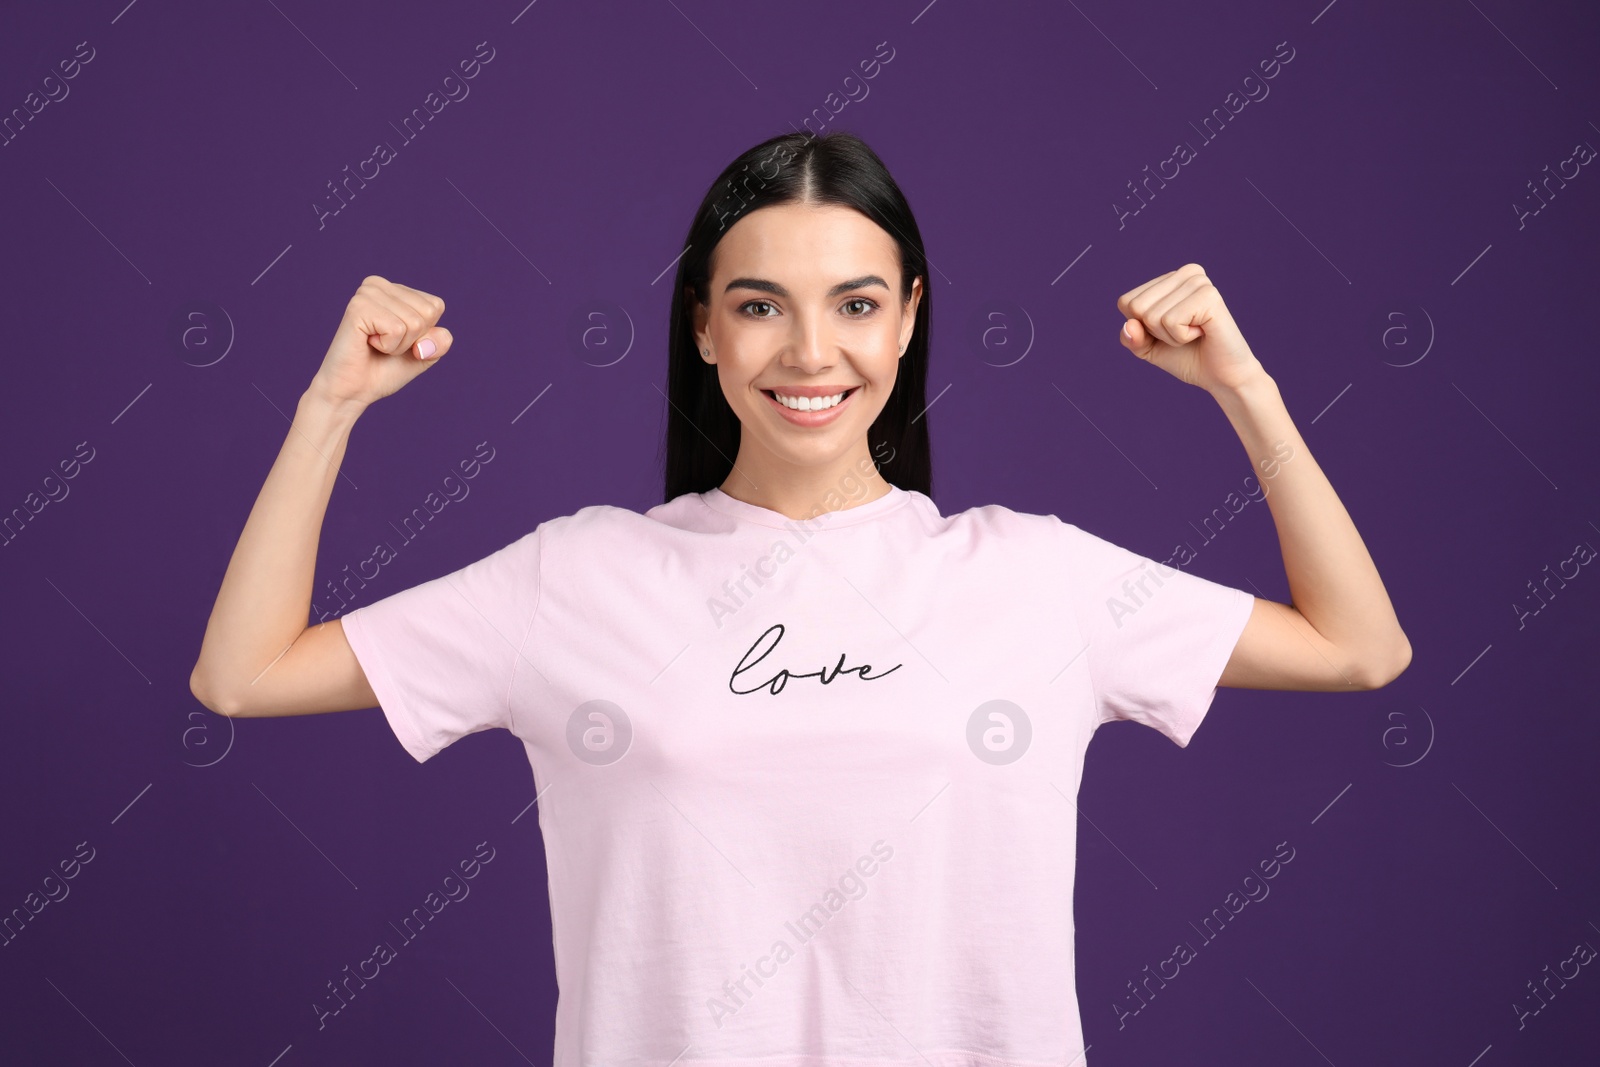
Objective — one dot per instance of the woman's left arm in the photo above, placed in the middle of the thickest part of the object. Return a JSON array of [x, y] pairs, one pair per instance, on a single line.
[[1340, 631]]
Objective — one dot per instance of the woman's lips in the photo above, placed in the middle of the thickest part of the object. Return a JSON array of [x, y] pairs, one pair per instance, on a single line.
[[812, 418]]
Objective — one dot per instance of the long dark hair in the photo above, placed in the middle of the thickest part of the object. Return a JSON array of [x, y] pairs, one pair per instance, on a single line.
[[839, 168]]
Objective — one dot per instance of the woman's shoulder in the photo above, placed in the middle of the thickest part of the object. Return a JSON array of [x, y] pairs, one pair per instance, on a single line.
[[1002, 520], [594, 523], [598, 518]]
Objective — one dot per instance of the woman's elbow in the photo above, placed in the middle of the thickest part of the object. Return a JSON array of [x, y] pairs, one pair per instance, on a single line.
[[1380, 669], [205, 695]]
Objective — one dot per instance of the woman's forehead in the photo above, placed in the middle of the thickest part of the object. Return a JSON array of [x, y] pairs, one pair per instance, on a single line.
[[805, 247]]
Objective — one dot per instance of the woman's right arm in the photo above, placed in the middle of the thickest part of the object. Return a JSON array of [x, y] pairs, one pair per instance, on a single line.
[[259, 657]]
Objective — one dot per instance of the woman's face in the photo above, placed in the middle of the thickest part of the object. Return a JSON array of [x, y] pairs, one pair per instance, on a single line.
[[805, 304]]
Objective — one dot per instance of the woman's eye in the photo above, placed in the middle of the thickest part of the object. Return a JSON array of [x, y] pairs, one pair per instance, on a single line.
[[868, 307]]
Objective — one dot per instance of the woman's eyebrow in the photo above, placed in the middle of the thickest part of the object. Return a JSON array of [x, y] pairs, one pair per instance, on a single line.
[[764, 286]]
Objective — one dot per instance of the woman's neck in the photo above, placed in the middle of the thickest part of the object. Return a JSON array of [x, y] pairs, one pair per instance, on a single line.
[[801, 492]]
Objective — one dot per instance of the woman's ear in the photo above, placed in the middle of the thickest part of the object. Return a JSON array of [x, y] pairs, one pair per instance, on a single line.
[[697, 325], [911, 313]]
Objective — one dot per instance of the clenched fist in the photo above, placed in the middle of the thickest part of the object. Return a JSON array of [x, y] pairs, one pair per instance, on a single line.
[[1178, 322], [387, 337]]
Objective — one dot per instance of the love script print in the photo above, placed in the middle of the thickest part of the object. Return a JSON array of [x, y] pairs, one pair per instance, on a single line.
[[776, 682]]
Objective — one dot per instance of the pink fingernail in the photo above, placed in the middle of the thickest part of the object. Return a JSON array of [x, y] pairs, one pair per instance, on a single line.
[[426, 348]]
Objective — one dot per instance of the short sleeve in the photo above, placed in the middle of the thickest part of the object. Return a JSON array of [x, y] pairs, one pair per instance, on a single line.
[[1158, 637], [441, 656]]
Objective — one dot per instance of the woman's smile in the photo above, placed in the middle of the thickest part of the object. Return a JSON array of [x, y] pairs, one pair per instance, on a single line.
[[810, 405]]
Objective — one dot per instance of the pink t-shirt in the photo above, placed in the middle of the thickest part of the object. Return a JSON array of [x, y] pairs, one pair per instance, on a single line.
[[807, 788]]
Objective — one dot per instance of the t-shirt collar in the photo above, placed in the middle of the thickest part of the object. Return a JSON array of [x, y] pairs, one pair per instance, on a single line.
[[717, 500]]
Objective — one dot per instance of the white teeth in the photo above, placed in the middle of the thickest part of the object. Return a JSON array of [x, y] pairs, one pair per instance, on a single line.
[[815, 403]]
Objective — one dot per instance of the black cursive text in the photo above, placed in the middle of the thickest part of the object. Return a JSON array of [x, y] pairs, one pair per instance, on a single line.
[[779, 680]]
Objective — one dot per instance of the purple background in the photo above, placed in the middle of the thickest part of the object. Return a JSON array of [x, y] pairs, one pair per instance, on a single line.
[[1359, 216]]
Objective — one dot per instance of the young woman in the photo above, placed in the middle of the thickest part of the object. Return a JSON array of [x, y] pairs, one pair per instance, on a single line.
[[805, 748]]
